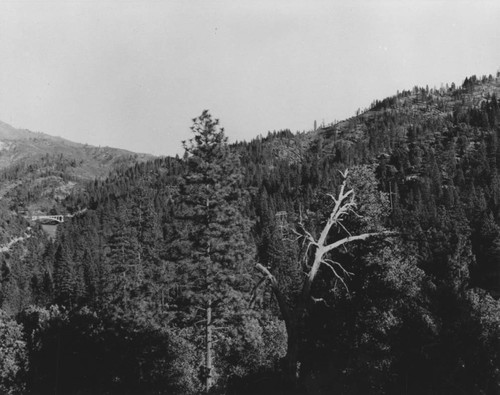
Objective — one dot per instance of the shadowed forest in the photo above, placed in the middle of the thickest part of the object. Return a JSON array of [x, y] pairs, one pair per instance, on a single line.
[[358, 258]]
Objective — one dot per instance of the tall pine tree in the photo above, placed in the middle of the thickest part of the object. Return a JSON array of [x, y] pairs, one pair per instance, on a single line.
[[213, 251]]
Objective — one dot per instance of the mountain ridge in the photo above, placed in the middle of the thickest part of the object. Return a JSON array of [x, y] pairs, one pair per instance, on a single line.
[[47, 168]]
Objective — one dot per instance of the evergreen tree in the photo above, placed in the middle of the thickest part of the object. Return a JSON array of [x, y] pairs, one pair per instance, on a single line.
[[13, 356], [64, 276], [124, 265], [213, 246]]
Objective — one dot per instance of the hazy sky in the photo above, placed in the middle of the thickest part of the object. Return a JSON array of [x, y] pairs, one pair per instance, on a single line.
[[132, 74]]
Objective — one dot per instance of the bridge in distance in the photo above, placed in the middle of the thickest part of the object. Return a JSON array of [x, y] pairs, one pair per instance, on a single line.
[[57, 218]]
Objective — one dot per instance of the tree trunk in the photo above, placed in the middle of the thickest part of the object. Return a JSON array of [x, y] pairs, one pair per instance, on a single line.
[[209, 381], [292, 331], [292, 353], [292, 320]]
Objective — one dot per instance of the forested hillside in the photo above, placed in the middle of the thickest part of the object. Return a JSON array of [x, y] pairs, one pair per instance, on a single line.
[[37, 171], [266, 267]]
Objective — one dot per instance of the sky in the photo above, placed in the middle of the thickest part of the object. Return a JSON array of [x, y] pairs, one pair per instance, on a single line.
[[133, 74]]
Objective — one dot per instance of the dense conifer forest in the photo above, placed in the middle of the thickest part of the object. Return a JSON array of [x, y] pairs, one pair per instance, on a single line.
[[361, 257]]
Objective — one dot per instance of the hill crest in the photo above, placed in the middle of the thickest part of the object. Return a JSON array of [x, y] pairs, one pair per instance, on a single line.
[[48, 168]]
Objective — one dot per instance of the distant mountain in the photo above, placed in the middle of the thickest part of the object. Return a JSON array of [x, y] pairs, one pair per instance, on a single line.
[[420, 115], [38, 170], [8, 132]]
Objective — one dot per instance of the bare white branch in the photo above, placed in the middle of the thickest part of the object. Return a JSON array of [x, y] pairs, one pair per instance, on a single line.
[[336, 275], [343, 227], [344, 174], [344, 205], [318, 300], [346, 273], [264, 270], [350, 239], [333, 197]]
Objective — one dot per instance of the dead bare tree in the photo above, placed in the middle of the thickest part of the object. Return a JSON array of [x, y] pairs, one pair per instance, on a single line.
[[344, 204]]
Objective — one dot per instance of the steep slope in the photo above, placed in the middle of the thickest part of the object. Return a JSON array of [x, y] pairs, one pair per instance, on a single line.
[[421, 115], [38, 170], [436, 154]]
